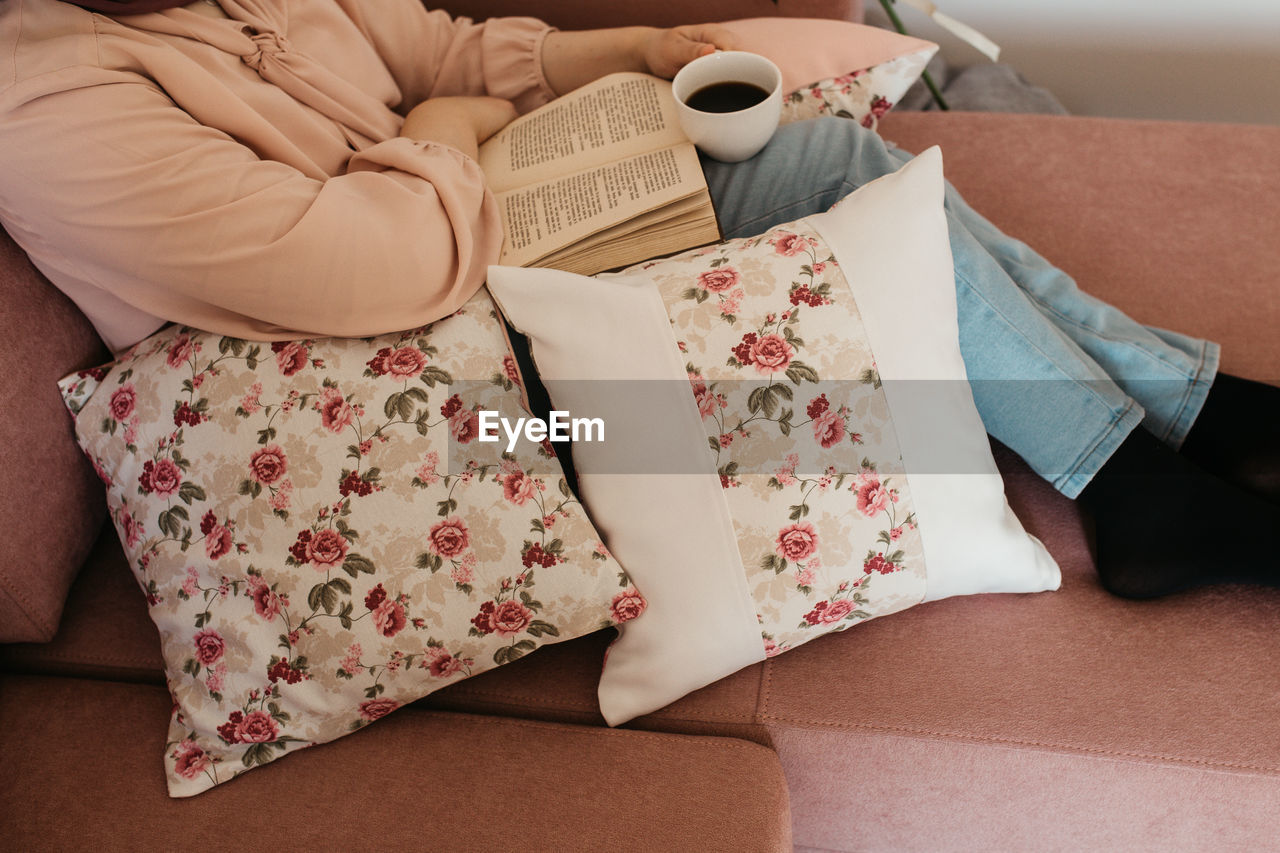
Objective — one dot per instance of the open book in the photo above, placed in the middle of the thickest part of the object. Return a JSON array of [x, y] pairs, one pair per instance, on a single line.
[[600, 178]]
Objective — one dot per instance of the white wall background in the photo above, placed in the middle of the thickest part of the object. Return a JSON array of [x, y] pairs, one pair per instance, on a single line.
[[1163, 59]]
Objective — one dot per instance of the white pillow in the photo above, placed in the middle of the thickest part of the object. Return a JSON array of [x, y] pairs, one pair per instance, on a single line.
[[872, 294]]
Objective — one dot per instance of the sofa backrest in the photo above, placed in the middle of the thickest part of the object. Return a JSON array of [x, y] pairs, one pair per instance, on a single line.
[[50, 498], [576, 15]]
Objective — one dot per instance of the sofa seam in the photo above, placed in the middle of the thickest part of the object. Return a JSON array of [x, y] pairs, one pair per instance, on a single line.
[[500, 697], [24, 606], [732, 741], [942, 735], [765, 691], [79, 658], [714, 742], [506, 699], [497, 698]]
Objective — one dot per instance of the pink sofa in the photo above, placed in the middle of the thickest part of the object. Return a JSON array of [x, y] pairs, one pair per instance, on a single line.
[[1067, 720]]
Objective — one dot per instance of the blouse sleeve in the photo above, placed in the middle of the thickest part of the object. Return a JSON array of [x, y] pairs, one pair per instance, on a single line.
[[432, 55], [182, 222]]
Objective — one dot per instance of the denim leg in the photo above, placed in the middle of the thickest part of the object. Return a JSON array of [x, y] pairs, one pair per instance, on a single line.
[[1024, 325], [1167, 373]]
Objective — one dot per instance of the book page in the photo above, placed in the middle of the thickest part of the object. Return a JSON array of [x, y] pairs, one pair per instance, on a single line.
[[615, 117], [541, 219], [676, 227]]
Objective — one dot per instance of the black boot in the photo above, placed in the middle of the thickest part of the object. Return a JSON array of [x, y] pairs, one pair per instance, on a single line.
[[1164, 524], [1237, 435]]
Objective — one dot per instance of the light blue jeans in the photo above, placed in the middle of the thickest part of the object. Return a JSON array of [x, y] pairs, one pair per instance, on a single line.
[[1058, 376]]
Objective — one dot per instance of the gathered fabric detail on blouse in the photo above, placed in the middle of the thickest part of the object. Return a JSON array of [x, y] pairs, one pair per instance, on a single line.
[[245, 175]]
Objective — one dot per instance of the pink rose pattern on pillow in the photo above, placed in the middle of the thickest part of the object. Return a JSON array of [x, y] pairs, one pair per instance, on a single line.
[[309, 557], [864, 95], [781, 370]]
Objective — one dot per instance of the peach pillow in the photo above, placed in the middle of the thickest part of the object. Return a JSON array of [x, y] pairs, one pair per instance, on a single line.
[[836, 68], [811, 49]]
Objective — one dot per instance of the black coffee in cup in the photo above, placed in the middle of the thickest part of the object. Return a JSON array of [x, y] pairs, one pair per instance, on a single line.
[[729, 103], [726, 97]]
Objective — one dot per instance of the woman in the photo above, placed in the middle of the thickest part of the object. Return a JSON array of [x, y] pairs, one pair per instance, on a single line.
[[161, 161]]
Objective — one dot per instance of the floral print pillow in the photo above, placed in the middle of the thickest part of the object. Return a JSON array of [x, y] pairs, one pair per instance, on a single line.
[[321, 538], [796, 419], [863, 95]]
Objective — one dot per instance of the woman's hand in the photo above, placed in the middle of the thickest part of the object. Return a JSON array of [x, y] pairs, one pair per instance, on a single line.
[[569, 60], [667, 51], [573, 59], [460, 122]]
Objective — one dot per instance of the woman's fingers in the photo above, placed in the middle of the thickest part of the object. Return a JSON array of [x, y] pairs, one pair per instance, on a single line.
[[670, 50]]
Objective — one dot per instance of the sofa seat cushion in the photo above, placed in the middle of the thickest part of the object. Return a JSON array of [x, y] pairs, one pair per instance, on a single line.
[[1068, 721], [419, 780], [1074, 720]]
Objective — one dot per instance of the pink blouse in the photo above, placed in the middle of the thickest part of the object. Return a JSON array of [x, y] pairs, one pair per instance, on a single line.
[[244, 176]]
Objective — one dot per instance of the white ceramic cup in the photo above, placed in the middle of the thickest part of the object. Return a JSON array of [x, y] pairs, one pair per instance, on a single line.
[[734, 136]]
